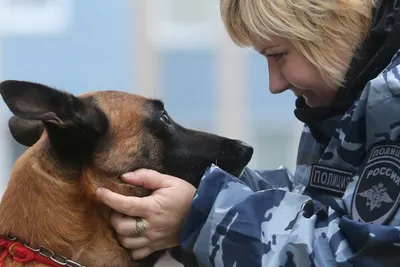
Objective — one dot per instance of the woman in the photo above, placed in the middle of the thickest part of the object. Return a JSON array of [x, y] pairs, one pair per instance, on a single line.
[[341, 208]]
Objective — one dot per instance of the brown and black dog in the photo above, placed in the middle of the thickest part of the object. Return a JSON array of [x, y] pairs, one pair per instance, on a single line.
[[78, 143]]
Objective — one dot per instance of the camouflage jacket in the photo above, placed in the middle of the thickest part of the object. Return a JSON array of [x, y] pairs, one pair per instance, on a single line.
[[339, 208]]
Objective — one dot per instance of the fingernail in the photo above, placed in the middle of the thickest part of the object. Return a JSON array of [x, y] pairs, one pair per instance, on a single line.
[[99, 191], [128, 175]]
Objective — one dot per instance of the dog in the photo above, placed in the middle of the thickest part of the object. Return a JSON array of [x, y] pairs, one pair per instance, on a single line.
[[78, 143]]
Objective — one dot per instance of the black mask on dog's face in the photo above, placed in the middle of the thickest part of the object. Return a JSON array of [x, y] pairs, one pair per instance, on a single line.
[[93, 131], [187, 153]]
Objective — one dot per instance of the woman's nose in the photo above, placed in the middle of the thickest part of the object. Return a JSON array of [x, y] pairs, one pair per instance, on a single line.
[[277, 81]]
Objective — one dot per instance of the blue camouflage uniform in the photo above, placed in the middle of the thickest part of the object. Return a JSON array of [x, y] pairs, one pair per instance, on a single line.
[[339, 208]]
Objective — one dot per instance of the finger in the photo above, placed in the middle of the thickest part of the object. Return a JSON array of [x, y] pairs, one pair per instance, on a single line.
[[146, 178], [127, 226], [141, 253], [134, 243], [129, 205], [118, 222], [122, 224]]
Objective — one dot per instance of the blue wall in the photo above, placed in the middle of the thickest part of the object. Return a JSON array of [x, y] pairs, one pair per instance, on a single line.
[[95, 53], [265, 106], [188, 84]]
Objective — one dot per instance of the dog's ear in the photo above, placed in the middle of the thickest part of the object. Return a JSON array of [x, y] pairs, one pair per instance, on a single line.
[[25, 132], [72, 124]]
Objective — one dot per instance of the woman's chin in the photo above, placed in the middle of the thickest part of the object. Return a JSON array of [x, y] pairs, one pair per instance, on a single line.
[[311, 102]]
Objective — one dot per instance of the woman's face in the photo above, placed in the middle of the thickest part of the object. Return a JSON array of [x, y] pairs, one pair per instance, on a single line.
[[290, 70]]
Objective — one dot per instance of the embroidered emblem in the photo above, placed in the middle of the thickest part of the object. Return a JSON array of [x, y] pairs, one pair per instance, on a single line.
[[329, 179], [377, 194]]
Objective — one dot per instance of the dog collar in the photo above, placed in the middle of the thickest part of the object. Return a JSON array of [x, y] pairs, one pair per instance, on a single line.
[[23, 253]]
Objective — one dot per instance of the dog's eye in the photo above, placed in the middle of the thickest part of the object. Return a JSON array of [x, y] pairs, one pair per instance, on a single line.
[[164, 117]]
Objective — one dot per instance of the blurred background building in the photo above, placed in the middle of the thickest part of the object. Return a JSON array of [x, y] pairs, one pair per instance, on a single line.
[[176, 50]]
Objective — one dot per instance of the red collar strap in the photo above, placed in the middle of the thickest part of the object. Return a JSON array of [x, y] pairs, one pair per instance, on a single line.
[[24, 254]]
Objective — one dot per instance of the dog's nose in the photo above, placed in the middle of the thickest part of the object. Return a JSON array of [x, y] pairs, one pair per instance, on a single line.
[[245, 149]]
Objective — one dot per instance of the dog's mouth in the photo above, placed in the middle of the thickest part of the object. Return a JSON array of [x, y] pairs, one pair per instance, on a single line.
[[237, 160], [232, 166], [232, 157]]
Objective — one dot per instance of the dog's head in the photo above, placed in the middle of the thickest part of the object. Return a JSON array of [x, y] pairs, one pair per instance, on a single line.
[[114, 132]]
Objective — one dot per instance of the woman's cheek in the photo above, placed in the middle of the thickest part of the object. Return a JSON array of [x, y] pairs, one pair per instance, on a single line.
[[299, 79]]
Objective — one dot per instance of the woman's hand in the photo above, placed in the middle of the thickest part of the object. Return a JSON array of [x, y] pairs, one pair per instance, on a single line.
[[162, 213]]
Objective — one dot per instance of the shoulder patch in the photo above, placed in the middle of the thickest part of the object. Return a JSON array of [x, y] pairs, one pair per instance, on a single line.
[[330, 179], [377, 194]]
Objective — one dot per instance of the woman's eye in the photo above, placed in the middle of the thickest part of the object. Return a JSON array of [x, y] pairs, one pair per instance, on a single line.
[[277, 56], [164, 117]]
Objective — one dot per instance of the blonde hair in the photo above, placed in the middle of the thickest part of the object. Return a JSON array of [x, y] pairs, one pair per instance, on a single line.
[[318, 29]]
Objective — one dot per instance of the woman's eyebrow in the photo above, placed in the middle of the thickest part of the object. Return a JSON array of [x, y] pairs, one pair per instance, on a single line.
[[270, 47], [266, 48]]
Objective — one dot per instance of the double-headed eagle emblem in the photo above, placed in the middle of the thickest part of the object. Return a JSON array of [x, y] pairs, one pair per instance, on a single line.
[[376, 196]]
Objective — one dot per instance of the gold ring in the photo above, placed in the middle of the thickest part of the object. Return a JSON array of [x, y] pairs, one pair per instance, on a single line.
[[140, 228]]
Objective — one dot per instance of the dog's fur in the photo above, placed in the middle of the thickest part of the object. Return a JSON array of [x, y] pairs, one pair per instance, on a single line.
[[77, 144]]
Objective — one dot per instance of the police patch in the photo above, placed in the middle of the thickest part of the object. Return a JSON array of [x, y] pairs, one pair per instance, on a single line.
[[377, 193], [329, 179]]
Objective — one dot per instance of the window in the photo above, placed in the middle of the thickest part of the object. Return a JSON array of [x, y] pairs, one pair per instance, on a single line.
[[34, 16], [182, 24]]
